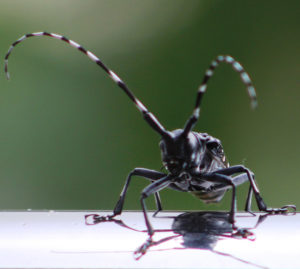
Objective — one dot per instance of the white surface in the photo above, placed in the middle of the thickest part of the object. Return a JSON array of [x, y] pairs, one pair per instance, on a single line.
[[63, 240]]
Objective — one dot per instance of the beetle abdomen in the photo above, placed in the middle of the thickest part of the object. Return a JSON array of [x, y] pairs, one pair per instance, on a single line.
[[209, 197]]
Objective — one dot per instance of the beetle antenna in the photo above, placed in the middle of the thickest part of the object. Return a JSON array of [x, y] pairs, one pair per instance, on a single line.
[[148, 116], [202, 88]]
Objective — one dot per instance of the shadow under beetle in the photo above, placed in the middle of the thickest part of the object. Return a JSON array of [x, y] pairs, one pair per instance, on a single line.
[[195, 162]]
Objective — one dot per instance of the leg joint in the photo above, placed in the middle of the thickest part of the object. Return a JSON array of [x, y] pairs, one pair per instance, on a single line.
[[143, 196]]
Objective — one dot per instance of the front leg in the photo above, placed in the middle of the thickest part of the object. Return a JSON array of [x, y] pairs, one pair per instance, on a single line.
[[248, 175], [150, 189], [223, 182], [143, 172]]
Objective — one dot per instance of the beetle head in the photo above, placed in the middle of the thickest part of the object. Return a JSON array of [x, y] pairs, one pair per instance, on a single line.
[[180, 152]]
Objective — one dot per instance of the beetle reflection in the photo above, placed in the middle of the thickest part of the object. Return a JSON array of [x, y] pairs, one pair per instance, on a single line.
[[203, 230], [197, 230]]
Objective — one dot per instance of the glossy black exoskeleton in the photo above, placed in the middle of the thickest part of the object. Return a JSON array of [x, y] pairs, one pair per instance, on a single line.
[[195, 162]]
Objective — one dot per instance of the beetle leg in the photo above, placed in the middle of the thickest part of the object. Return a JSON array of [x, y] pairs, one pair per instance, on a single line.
[[151, 189], [248, 201], [259, 200], [158, 203], [225, 182], [143, 172]]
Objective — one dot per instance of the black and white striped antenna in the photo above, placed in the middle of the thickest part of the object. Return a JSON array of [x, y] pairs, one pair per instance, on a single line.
[[202, 88], [148, 116]]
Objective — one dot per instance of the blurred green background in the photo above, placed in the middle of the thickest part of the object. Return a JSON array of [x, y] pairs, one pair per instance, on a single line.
[[69, 136]]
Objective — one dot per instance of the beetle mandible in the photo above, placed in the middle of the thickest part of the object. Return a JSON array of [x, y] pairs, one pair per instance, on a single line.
[[195, 162]]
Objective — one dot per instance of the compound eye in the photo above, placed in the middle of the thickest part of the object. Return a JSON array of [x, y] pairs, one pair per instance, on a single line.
[[162, 146]]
